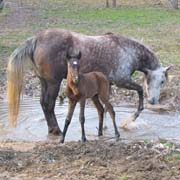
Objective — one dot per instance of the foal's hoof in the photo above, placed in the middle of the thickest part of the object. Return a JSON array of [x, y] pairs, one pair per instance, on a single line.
[[55, 131], [117, 136], [62, 140]]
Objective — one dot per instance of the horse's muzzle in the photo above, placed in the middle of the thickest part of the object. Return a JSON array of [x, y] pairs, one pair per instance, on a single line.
[[152, 101]]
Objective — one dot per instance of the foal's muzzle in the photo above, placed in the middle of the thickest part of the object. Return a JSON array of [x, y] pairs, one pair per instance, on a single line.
[[75, 80]]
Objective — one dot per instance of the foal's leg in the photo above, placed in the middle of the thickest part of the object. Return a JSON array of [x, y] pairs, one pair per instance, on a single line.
[[49, 92], [111, 111], [100, 111], [71, 107], [131, 85], [82, 118], [112, 114]]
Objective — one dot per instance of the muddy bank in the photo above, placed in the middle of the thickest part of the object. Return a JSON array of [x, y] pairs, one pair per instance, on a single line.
[[170, 93], [93, 160]]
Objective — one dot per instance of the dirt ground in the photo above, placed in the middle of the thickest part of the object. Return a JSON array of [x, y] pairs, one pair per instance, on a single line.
[[95, 160]]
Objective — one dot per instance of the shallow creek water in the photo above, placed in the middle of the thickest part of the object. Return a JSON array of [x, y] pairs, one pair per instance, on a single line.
[[32, 125]]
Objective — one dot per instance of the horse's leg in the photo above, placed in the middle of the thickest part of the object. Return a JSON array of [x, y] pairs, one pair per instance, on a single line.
[[100, 111], [82, 118], [111, 111], [131, 85], [49, 92], [71, 107]]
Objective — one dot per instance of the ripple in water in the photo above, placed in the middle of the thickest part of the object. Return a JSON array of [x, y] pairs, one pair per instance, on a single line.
[[32, 125]]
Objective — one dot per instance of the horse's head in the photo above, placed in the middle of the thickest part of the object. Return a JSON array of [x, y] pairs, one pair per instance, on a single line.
[[73, 66], [154, 79]]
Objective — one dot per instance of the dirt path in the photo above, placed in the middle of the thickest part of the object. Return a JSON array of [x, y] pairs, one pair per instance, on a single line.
[[94, 160]]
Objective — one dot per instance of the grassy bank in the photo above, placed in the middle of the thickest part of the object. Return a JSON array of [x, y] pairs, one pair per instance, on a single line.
[[155, 25]]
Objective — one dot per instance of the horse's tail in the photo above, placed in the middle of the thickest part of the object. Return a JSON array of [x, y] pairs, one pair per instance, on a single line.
[[15, 72]]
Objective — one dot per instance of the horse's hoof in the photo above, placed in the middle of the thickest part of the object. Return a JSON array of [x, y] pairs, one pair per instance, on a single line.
[[141, 108], [84, 139], [55, 131], [100, 134]]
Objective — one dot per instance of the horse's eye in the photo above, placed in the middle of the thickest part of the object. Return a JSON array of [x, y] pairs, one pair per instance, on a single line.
[[162, 82]]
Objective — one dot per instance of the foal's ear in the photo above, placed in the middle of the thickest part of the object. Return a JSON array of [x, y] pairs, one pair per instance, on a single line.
[[79, 55], [146, 71]]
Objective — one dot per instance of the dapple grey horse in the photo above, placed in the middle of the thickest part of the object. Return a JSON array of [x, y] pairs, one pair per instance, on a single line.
[[116, 56]]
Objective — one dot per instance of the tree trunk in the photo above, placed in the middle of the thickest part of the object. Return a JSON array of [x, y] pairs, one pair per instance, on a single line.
[[114, 3], [107, 3], [174, 3], [1, 5]]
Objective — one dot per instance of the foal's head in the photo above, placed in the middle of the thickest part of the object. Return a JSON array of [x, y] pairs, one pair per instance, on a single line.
[[73, 66]]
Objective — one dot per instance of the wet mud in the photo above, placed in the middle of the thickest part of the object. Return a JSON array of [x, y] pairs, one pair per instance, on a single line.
[[95, 160]]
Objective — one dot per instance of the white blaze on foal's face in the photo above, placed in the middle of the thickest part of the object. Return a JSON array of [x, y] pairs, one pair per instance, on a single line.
[[74, 68]]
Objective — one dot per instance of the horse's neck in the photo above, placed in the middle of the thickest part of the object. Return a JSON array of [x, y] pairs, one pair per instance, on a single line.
[[148, 61]]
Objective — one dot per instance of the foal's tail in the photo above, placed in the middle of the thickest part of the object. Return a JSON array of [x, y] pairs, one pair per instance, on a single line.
[[15, 72]]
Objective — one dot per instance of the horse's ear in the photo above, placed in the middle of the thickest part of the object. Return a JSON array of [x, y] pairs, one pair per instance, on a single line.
[[166, 69], [79, 55]]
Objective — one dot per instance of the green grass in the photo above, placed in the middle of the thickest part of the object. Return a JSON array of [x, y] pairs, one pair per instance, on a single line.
[[169, 145], [5, 12], [124, 177], [10, 41], [156, 26], [146, 141], [174, 157], [137, 17], [116, 19]]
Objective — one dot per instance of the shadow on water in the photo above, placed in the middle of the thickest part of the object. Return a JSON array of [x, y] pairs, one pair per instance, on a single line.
[[32, 125]]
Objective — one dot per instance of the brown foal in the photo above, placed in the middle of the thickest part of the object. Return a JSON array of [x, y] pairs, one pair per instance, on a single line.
[[79, 87]]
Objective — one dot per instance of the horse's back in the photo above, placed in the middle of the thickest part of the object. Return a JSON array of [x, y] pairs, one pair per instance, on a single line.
[[50, 53], [107, 53]]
